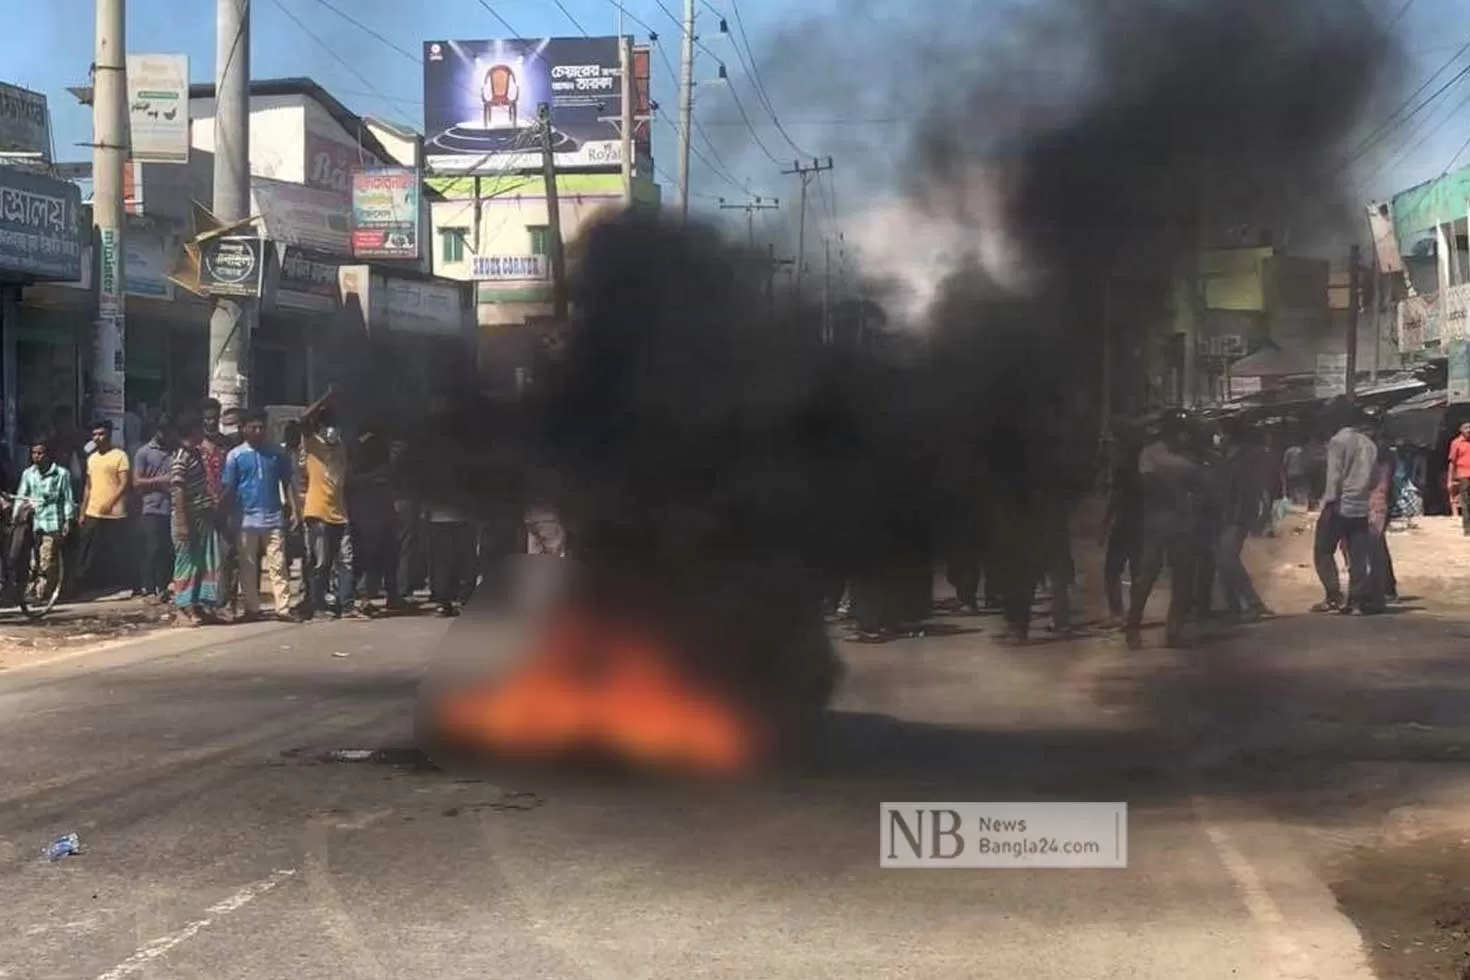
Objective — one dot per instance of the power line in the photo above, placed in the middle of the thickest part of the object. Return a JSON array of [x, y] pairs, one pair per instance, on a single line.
[[507, 24], [575, 23], [1394, 121], [332, 51], [754, 72]]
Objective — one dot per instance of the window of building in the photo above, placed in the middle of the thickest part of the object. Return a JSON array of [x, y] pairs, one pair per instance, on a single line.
[[540, 239], [451, 244]]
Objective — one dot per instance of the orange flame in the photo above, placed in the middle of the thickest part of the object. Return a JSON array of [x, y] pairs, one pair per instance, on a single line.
[[619, 695]]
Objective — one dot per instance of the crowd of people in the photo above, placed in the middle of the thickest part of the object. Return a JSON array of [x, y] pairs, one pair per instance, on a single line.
[[208, 507], [1184, 494]]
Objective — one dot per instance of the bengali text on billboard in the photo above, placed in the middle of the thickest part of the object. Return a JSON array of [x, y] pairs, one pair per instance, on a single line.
[[385, 213], [481, 100]]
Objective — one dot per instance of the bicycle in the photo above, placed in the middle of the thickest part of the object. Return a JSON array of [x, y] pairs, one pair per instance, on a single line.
[[23, 560]]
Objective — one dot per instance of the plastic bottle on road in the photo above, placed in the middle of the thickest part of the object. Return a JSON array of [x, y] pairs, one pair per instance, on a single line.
[[62, 846]]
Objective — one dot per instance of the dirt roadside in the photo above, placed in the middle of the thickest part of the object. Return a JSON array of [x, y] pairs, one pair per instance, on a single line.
[[75, 628]]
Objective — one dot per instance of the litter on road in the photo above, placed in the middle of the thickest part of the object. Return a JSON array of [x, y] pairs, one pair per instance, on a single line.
[[63, 846]]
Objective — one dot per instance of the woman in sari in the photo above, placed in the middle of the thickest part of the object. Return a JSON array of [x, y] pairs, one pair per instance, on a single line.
[[196, 546]]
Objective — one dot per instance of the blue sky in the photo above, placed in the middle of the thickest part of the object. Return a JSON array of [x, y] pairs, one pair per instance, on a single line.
[[53, 49], [52, 46]]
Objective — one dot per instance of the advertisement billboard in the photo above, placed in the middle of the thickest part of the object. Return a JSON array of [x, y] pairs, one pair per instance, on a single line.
[[158, 107], [25, 122], [385, 213], [481, 100], [40, 233]]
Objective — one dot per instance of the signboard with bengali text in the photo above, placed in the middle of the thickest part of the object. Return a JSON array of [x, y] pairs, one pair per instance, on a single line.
[[481, 100], [385, 213], [158, 107]]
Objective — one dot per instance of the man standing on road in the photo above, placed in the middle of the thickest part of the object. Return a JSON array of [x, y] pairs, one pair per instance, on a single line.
[[257, 478], [1241, 503], [1169, 478], [1458, 475], [48, 489], [104, 538], [152, 465], [325, 511], [213, 450], [1346, 499]]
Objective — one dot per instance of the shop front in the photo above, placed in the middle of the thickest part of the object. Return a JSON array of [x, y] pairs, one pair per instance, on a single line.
[[40, 242]]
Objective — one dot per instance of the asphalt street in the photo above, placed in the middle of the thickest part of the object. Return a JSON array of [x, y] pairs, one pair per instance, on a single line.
[[224, 841]]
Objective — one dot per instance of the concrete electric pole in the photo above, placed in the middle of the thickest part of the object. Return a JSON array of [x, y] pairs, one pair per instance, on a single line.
[[234, 317], [553, 220], [806, 173], [109, 156], [1355, 293], [750, 208], [625, 54], [686, 108]]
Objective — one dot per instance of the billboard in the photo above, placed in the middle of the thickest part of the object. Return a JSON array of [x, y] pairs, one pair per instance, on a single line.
[[385, 213], [158, 107], [481, 100]]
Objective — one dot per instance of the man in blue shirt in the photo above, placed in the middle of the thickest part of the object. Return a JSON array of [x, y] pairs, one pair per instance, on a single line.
[[150, 478], [256, 484]]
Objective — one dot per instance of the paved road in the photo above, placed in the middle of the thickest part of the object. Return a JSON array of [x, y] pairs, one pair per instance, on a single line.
[[221, 846]]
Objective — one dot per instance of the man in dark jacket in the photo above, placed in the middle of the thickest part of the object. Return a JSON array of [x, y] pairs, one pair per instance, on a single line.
[[1241, 496]]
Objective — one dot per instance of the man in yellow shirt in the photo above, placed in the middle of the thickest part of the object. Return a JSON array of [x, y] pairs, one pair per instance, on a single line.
[[328, 539], [102, 559]]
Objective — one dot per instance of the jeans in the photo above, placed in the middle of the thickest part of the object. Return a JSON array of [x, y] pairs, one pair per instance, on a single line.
[[450, 548], [1123, 548], [1462, 492], [324, 545], [1235, 581], [1332, 531], [375, 547], [155, 573], [1382, 582], [1167, 539], [252, 541]]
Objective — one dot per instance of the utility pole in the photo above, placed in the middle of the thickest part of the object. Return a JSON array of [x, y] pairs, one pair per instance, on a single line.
[[553, 220], [233, 320], [625, 55], [773, 264], [1355, 289], [109, 156], [686, 108], [826, 289], [806, 173], [750, 208]]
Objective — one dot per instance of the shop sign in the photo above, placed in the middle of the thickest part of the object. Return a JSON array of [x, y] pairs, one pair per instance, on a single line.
[[158, 107], [25, 123], [231, 265], [39, 226], [423, 307], [308, 281], [509, 268], [303, 216]]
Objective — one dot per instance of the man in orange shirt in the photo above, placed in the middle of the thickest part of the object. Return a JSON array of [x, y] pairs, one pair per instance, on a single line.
[[1458, 475]]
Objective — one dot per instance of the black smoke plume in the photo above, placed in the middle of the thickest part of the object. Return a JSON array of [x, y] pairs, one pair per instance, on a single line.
[[721, 469]]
